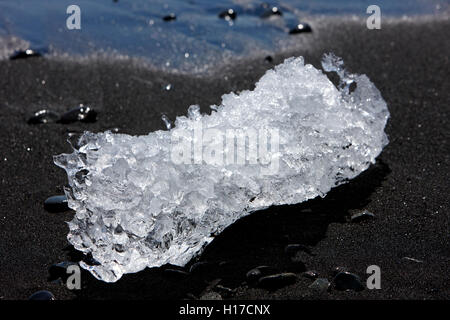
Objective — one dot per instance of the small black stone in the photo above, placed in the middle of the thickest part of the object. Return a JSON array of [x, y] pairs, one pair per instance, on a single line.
[[320, 285], [226, 267], [301, 28], [190, 296], [223, 291], [201, 267], [361, 216], [59, 271], [277, 281], [268, 59], [274, 11], [42, 295], [170, 17], [81, 113], [211, 295], [256, 273], [310, 274], [347, 281], [337, 270], [56, 204], [229, 14], [175, 274], [225, 264], [24, 54], [43, 116]]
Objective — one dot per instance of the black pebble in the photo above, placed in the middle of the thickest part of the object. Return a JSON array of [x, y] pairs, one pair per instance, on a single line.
[[256, 273], [361, 216], [175, 274], [268, 59], [42, 295], [170, 17], [59, 271], [320, 285], [229, 14], [56, 204], [310, 274], [43, 116], [24, 54], [277, 281], [81, 113], [347, 281], [337, 270], [223, 291], [300, 28], [274, 11], [201, 267]]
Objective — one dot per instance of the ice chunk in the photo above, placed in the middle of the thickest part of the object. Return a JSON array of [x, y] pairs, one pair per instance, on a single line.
[[332, 63], [144, 201]]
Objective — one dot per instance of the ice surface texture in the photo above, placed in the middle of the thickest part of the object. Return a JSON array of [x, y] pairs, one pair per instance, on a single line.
[[137, 207]]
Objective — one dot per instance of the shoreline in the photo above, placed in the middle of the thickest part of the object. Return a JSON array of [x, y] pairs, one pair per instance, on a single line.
[[325, 28]]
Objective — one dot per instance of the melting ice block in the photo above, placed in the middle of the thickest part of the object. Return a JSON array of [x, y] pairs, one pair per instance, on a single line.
[[144, 201]]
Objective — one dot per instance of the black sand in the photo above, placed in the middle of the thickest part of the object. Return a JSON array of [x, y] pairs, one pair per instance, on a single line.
[[407, 189]]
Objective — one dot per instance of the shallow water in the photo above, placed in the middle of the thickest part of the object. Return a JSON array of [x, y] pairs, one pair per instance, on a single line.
[[195, 41]]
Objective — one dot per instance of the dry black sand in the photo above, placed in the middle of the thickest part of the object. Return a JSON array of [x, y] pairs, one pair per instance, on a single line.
[[407, 189]]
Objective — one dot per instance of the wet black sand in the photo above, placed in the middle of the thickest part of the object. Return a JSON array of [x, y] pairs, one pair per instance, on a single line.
[[407, 189]]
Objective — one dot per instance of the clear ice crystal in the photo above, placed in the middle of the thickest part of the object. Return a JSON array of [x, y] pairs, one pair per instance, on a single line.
[[136, 207]]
